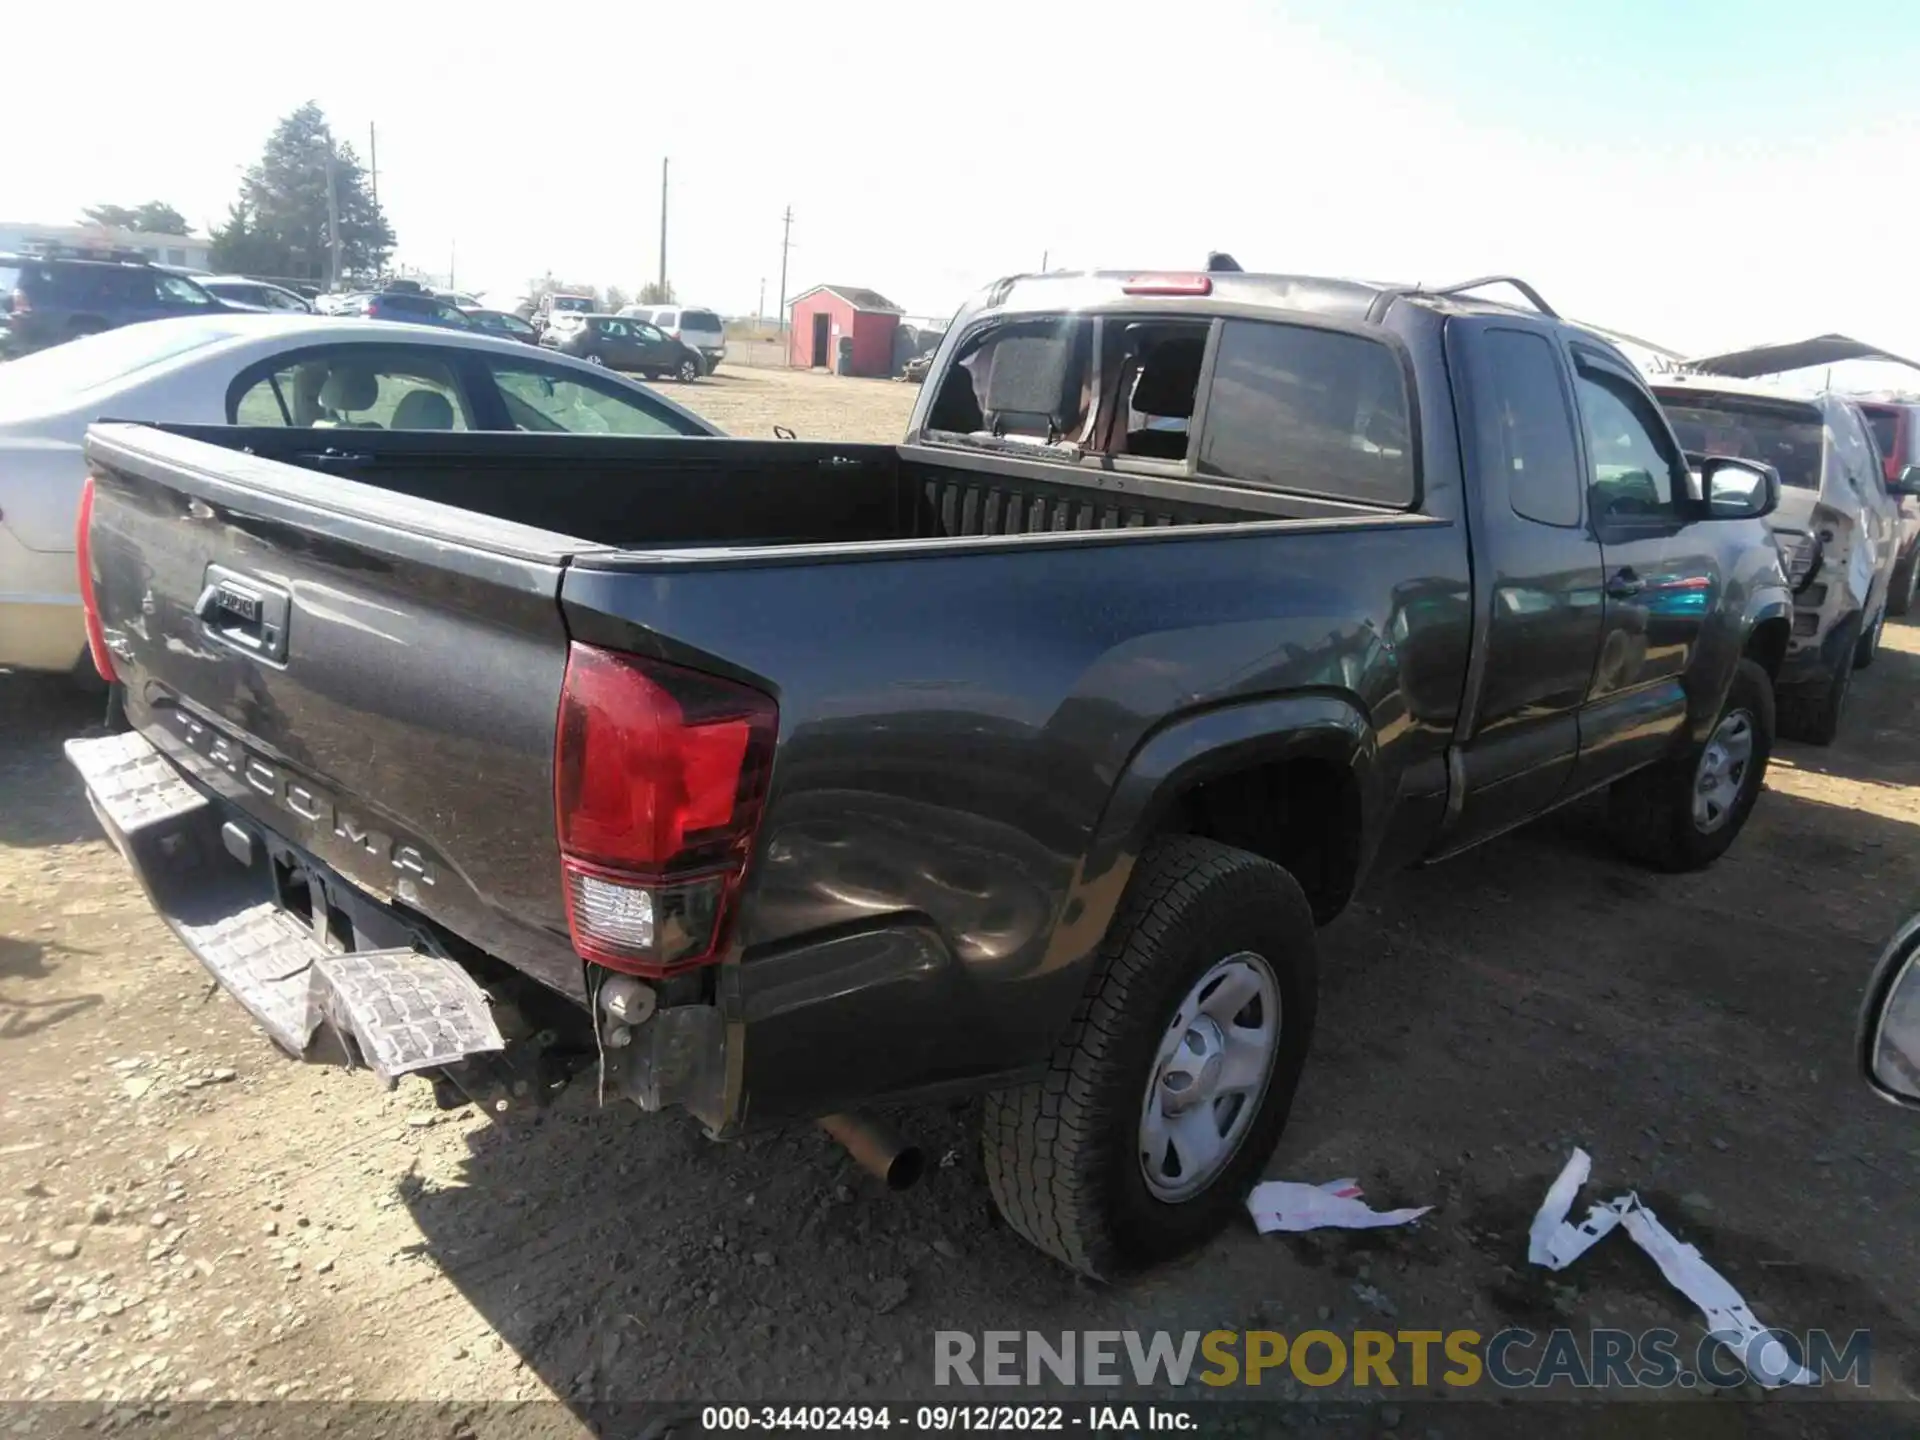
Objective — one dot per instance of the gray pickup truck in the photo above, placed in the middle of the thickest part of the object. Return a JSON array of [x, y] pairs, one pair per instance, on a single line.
[[1021, 759]]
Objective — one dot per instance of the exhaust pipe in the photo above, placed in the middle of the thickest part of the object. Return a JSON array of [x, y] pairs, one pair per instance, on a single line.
[[876, 1149]]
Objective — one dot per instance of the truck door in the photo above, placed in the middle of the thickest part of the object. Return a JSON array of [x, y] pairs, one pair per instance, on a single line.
[[1663, 578], [1536, 580]]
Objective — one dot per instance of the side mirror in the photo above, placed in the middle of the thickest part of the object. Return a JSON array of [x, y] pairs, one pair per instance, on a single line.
[[1738, 489], [1889, 1043], [1908, 483]]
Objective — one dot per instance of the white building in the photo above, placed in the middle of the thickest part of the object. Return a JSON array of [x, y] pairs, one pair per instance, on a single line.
[[191, 252]]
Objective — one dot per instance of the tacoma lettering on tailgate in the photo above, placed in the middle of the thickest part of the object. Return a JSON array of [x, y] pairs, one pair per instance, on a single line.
[[314, 807]]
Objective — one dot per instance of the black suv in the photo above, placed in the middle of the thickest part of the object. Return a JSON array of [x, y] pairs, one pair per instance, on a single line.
[[45, 299]]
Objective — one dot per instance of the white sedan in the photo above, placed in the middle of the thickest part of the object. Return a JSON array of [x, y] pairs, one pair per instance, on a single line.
[[267, 369]]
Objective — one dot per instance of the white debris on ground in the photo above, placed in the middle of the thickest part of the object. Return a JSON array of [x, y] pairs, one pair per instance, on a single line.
[[1556, 1244], [1287, 1205]]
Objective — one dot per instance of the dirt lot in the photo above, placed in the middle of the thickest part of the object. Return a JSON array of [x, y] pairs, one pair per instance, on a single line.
[[185, 1214]]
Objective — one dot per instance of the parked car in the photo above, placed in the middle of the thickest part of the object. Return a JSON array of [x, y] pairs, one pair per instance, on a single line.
[[554, 305], [1837, 524], [704, 330], [45, 300], [1896, 430], [501, 322], [255, 294], [255, 369], [622, 343], [410, 309], [1131, 711], [459, 299]]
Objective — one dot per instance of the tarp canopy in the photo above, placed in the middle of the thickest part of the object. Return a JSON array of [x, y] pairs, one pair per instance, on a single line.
[[1794, 355]]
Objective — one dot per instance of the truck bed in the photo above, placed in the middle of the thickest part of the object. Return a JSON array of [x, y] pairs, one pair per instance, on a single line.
[[671, 493]]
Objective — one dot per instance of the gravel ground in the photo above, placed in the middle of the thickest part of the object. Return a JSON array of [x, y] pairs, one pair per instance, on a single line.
[[184, 1214]]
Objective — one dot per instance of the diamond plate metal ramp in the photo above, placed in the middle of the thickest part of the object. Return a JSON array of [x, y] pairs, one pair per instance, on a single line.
[[407, 1011]]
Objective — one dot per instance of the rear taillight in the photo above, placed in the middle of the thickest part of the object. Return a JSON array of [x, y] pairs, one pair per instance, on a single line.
[[660, 774], [83, 557], [18, 303]]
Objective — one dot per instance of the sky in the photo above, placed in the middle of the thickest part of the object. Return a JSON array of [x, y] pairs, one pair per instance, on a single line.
[[1697, 172]]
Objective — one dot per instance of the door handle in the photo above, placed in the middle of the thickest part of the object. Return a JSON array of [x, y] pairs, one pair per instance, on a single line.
[[1624, 584]]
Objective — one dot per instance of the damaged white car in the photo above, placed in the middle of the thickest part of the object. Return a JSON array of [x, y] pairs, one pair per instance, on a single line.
[[1838, 523]]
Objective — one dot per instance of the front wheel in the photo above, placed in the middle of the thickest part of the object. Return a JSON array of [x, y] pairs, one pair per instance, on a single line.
[[1682, 814], [594, 360], [1172, 1084], [688, 370]]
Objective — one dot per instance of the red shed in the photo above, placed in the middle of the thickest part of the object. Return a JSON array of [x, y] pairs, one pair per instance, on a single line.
[[821, 316]]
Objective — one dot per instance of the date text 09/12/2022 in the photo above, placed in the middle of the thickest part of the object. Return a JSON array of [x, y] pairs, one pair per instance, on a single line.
[[973, 1419]]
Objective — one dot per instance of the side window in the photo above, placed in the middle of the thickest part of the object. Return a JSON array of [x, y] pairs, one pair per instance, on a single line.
[[1319, 412], [1627, 446], [547, 398], [666, 319], [354, 388], [172, 290], [1526, 407], [613, 329], [650, 335]]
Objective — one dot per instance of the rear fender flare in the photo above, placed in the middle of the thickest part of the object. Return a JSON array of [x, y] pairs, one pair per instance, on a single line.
[[1188, 751]]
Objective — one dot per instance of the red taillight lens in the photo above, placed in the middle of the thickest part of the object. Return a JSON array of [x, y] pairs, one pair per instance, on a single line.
[[83, 557], [660, 774], [1169, 285]]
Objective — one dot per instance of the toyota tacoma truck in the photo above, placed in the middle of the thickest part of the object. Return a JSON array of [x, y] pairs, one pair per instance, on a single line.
[[1023, 759]]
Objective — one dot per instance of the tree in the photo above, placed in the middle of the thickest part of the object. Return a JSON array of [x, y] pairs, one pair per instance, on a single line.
[[279, 224], [616, 298], [153, 218], [656, 292]]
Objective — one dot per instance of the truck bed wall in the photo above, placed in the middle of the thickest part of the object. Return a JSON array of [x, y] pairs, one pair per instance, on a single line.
[[649, 494]]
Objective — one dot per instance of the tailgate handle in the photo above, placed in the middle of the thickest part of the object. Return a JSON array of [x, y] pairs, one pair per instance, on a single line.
[[247, 614]]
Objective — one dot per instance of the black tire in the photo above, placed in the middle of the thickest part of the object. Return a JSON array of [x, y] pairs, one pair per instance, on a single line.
[[1062, 1153], [649, 374], [1906, 577], [689, 369], [1812, 715], [1868, 645], [1650, 814]]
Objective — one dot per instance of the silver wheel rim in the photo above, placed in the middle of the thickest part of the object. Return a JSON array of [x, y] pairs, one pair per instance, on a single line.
[[595, 360], [689, 371], [1209, 1077], [1722, 771]]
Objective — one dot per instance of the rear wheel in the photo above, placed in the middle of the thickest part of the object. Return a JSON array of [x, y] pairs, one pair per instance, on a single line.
[[1869, 643], [1812, 714], [595, 360], [1683, 813], [1905, 578], [1170, 1089]]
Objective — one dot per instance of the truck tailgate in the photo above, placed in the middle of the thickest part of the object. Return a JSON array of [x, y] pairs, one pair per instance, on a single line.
[[369, 677]]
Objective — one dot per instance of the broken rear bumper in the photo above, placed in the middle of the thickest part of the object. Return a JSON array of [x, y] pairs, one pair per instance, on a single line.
[[395, 1009]]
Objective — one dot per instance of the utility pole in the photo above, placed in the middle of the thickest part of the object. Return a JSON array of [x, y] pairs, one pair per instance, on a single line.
[[663, 230], [453, 259], [373, 161], [760, 309], [786, 243], [1043, 260], [333, 222]]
